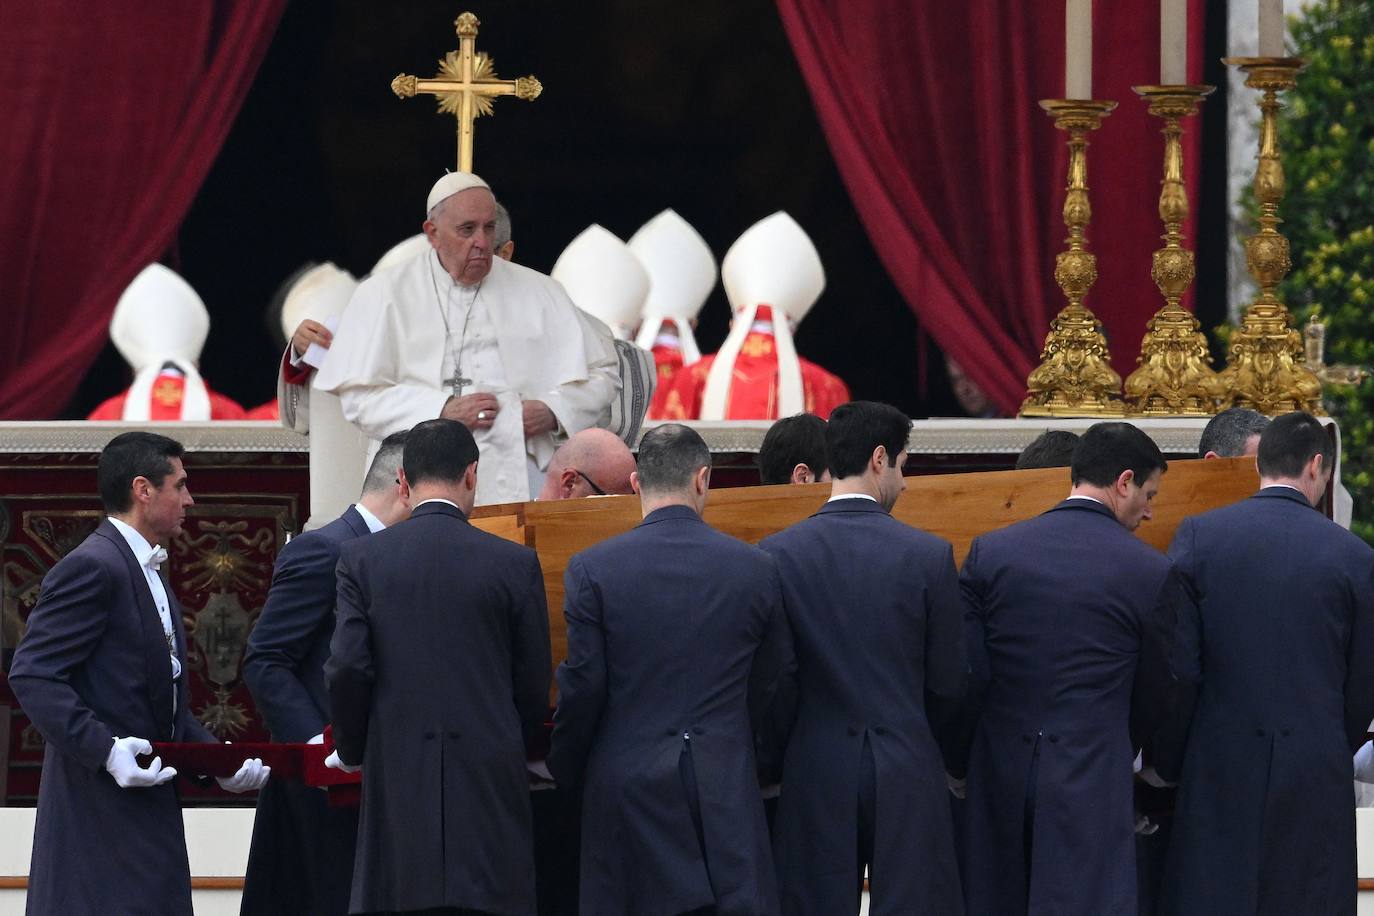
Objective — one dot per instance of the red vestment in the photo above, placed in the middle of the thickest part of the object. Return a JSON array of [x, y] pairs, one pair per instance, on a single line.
[[166, 402], [667, 361], [753, 386]]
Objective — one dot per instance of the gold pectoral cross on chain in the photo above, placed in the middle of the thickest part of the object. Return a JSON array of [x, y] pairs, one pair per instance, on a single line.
[[465, 86]]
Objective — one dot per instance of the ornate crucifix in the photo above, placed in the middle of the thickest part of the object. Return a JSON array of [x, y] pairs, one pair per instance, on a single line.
[[465, 85]]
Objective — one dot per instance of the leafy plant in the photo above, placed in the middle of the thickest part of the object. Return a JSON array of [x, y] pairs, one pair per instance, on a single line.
[[1327, 141]]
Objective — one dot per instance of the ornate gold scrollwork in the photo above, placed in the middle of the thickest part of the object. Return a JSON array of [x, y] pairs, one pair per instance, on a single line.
[[1075, 377], [1265, 370], [1175, 376]]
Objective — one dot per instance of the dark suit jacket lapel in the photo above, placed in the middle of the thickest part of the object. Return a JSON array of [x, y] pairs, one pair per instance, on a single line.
[[157, 666], [354, 519], [183, 685]]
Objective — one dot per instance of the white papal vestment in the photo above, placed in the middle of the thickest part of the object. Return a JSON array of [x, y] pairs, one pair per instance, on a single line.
[[391, 359]]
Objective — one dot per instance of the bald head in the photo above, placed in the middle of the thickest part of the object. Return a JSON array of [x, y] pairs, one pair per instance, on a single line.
[[591, 461]]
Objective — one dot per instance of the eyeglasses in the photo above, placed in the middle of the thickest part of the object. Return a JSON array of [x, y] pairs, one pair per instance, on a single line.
[[591, 483]]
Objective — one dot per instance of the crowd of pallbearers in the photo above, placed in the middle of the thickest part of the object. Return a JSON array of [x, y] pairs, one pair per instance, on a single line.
[[845, 657]]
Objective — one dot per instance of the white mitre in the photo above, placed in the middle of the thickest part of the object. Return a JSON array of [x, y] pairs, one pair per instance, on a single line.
[[403, 251], [159, 319], [319, 293], [604, 279], [774, 263], [682, 273]]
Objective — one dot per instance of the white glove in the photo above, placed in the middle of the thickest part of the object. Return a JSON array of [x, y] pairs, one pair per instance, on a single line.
[[318, 739], [123, 766], [1364, 762], [957, 787], [1144, 826], [250, 777], [334, 763]]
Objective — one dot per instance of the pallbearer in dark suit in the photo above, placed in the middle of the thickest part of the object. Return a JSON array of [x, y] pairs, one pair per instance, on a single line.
[[99, 674], [877, 625], [675, 634], [1068, 617], [438, 685], [301, 858], [1276, 648]]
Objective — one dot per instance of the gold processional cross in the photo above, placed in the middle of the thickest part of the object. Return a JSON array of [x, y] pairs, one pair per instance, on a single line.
[[465, 85]]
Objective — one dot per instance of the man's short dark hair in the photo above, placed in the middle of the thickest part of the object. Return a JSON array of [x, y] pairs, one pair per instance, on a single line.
[[1053, 448], [1227, 432], [381, 474], [789, 442], [856, 429], [438, 450], [1289, 443], [1108, 449], [132, 455], [669, 457]]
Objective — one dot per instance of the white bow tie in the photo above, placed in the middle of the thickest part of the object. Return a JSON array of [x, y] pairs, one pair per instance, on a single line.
[[157, 558]]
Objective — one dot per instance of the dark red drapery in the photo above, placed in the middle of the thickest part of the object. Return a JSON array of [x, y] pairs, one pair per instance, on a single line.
[[931, 113], [114, 113]]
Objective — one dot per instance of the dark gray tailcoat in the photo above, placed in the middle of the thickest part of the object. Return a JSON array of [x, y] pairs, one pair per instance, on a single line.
[[93, 665], [301, 857], [877, 625], [1068, 616], [675, 633], [439, 682], [1277, 644]]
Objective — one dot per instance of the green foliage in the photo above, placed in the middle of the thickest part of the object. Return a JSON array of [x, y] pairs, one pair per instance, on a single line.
[[1327, 141]]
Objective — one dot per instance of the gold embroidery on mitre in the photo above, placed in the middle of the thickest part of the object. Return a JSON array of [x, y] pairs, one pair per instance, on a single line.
[[756, 345]]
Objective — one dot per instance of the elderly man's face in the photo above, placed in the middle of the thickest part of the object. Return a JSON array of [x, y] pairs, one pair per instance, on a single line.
[[463, 233]]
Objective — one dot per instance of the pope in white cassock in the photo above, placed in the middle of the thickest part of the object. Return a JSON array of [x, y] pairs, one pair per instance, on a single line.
[[458, 333]]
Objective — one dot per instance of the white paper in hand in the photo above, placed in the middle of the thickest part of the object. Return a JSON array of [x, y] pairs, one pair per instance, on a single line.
[[314, 354]]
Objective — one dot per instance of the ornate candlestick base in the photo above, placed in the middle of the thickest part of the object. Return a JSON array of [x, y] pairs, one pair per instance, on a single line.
[[1175, 377], [1075, 377], [1266, 370]]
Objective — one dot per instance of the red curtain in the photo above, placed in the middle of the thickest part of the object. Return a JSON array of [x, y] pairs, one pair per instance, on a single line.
[[114, 113], [930, 110]]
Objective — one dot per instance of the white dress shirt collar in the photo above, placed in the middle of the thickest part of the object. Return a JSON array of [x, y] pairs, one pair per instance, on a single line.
[[851, 496], [439, 499], [143, 551], [374, 524], [1091, 499]]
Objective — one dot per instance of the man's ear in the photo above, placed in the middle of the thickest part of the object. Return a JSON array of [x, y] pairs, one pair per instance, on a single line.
[[470, 476], [634, 482], [878, 460], [507, 251], [702, 481], [566, 481], [802, 474], [1124, 481], [403, 484]]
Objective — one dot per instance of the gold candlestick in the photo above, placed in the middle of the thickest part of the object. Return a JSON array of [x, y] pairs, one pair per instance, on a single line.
[[1175, 377], [1265, 371], [1075, 377]]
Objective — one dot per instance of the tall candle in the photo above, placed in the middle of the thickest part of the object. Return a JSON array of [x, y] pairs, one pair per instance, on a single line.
[[1173, 42], [1078, 49], [1271, 28]]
